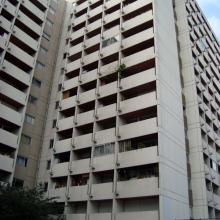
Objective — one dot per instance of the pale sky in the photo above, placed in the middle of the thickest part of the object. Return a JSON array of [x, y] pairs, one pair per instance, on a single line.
[[211, 8]]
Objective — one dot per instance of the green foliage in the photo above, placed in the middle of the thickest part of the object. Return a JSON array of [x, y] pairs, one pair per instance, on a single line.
[[121, 70], [26, 204]]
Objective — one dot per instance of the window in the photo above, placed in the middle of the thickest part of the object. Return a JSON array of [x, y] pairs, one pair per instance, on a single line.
[[32, 99], [49, 23], [57, 105], [43, 50], [46, 36], [45, 186], [54, 123], [36, 82], [51, 143], [110, 41], [59, 87], [213, 165], [52, 10], [48, 164], [25, 139], [22, 161], [104, 149], [39, 65], [18, 182], [29, 119]]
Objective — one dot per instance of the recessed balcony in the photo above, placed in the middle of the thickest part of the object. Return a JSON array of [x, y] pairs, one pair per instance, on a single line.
[[78, 193], [8, 138], [58, 193], [141, 128], [152, 215], [6, 163]]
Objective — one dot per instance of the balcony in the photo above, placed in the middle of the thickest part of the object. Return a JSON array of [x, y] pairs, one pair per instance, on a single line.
[[31, 7], [137, 129], [16, 72], [103, 163], [75, 49], [89, 76], [94, 25], [91, 57], [139, 57], [109, 135], [217, 200], [65, 123], [109, 50], [26, 20], [13, 93], [108, 89], [145, 156], [85, 118], [78, 193], [79, 20], [102, 191], [73, 65], [6, 163], [60, 169], [87, 96], [100, 216], [138, 38], [80, 166], [59, 194], [83, 141], [71, 83], [138, 20], [21, 55], [82, 6], [95, 11], [138, 188], [10, 115], [111, 4], [76, 217], [109, 68], [151, 215], [111, 32], [6, 24], [106, 111], [68, 103], [138, 79], [113, 16], [3, 41], [92, 41], [25, 38], [9, 7], [63, 146], [136, 5], [9, 139], [77, 34]]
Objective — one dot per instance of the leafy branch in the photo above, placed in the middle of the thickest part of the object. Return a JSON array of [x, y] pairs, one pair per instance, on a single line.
[[121, 70]]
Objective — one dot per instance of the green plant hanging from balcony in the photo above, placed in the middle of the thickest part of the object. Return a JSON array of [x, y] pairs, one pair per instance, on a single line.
[[121, 70]]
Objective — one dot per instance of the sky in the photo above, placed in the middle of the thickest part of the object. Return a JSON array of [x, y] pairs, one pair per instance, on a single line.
[[211, 8]]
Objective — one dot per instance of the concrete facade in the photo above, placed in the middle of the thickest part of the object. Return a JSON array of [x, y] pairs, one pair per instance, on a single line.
[[200, 58], [126, 123], [29, 34]]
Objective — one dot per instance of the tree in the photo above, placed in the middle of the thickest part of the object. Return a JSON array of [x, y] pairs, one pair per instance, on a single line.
[[27, 204]]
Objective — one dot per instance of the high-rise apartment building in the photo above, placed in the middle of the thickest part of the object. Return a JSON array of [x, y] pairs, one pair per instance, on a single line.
[[199, 54], [129, 125], [29, 36], [119, 142]]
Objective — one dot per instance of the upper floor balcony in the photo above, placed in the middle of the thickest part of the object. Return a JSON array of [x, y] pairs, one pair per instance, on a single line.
[[6, 163], [9, 139]]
